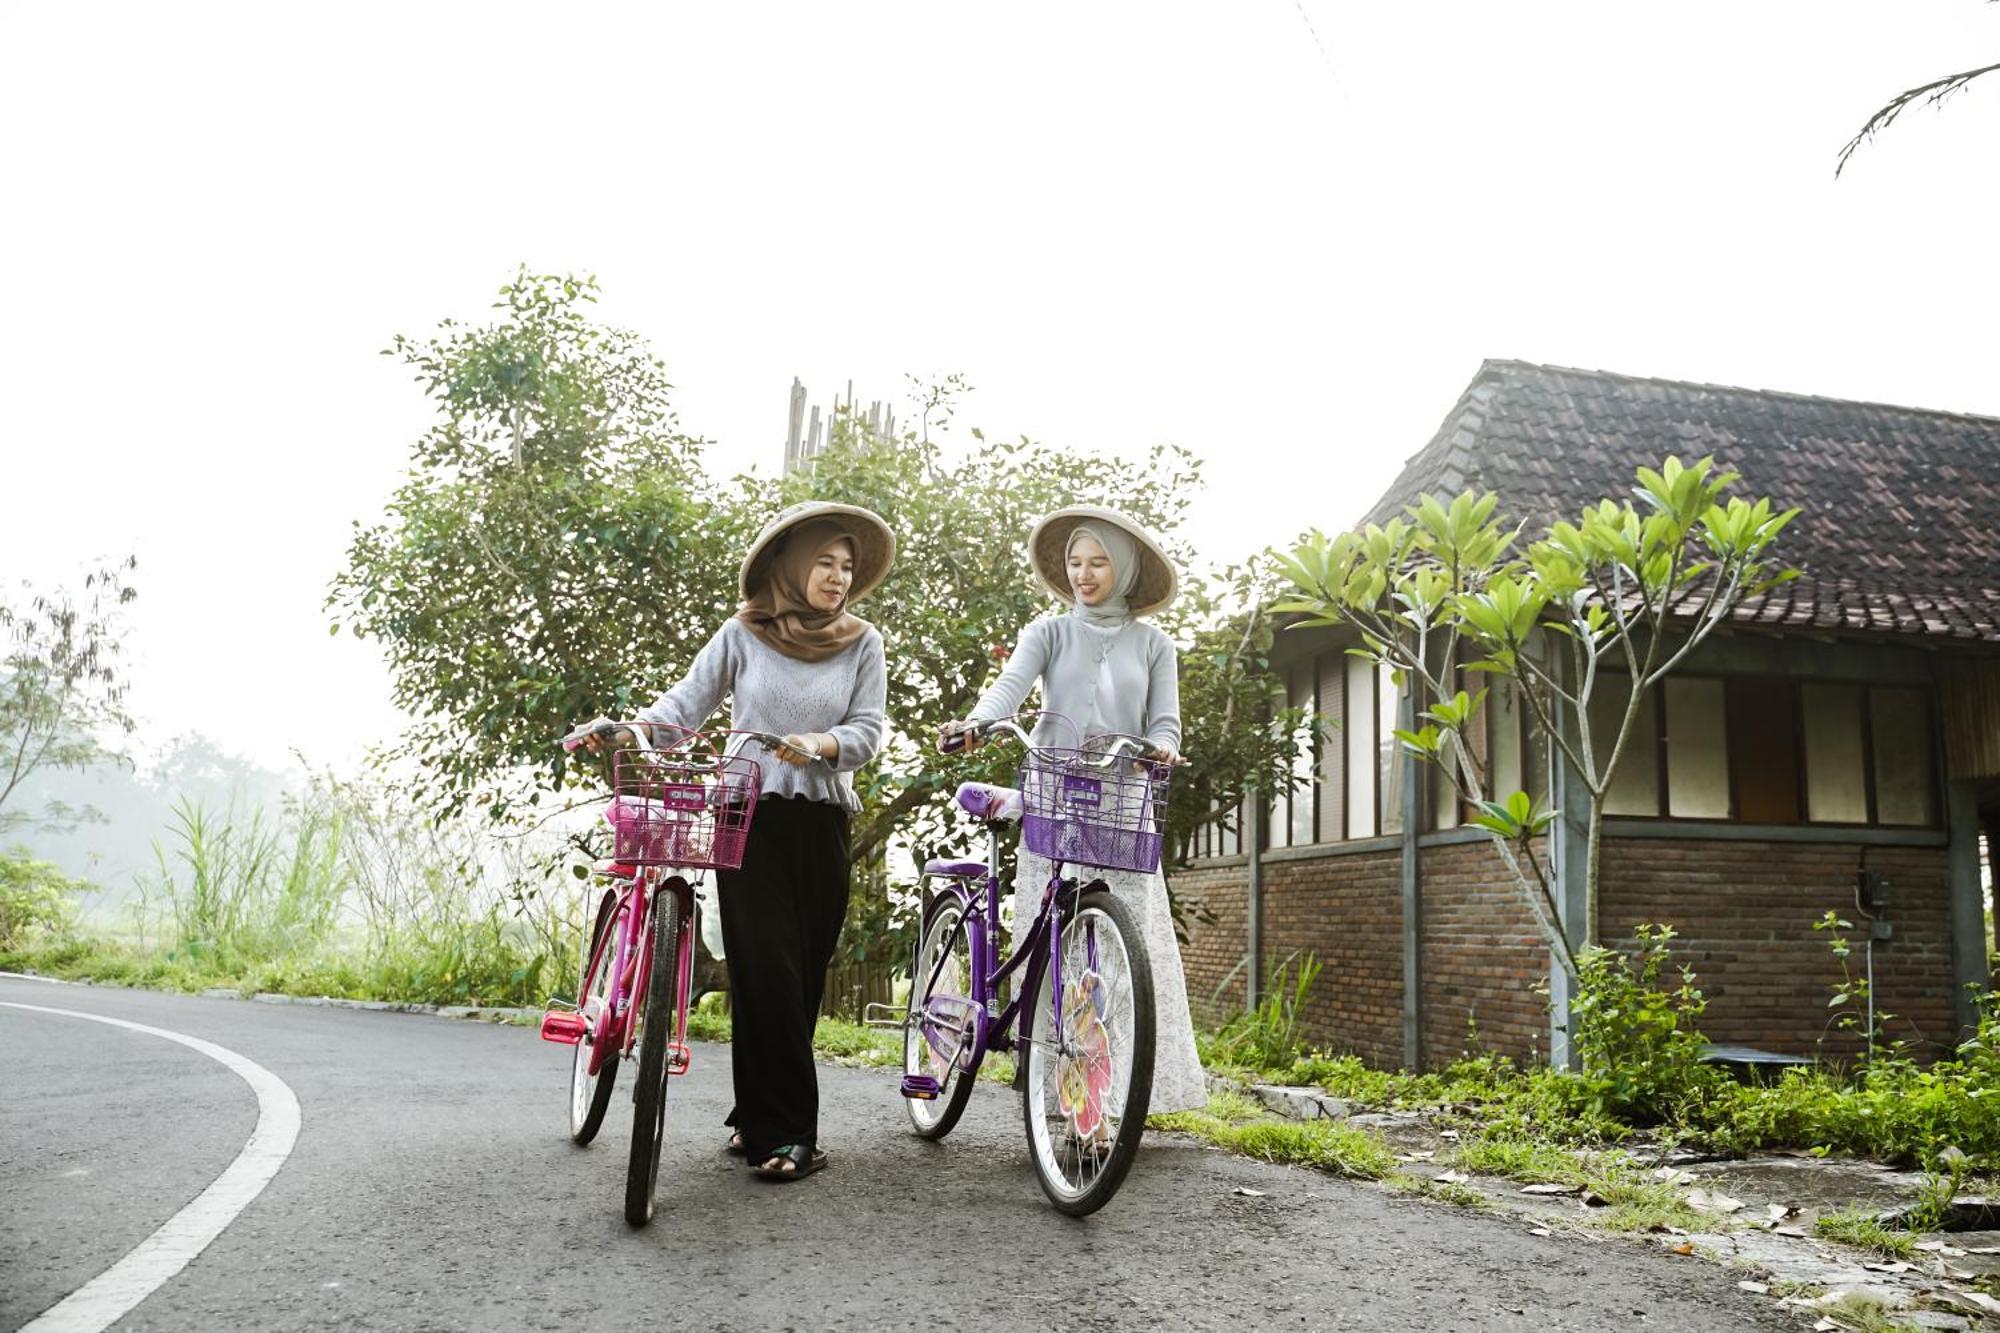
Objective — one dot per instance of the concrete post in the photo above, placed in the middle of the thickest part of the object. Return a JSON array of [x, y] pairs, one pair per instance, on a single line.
[[1413, 898], [1968, 914], [1569, 853]]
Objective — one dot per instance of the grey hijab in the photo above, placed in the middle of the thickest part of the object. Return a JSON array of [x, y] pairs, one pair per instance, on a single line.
[[1115, 611]]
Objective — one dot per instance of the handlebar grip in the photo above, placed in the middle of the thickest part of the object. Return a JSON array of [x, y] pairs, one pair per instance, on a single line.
[[953, 743]]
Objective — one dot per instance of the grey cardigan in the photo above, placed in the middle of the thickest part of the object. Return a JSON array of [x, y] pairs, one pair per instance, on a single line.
[[844, 696], [1128, 681]]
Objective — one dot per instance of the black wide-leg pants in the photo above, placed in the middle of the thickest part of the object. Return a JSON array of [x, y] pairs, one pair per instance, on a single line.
[[781, 917]]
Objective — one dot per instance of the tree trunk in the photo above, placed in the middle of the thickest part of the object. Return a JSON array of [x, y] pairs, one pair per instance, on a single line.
[[1590, 867]]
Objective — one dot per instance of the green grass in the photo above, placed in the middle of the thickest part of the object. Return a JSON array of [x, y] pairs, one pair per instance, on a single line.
[[1238, 1125], [1443, 1191], [1859, 1228]]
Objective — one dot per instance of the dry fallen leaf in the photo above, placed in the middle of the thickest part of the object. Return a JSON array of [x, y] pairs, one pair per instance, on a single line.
[[1976, 1302], [1424, 1156], [1672, 1175], [1794, 1232], [1551, 1189], [1592, 1199], [1755, 1288], [1780, 1212], [1826, 1326], [1540, 1231], [1897, 1267], [1452, 1178], [1685, 1247], [1249, 1193], [1718, 1202], [1447, 1133]]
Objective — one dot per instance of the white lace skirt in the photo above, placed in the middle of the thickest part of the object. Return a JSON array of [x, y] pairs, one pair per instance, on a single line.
[[1178, 1081]]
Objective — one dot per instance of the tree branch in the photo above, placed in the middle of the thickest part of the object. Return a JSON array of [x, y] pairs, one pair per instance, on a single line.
[[1885, 115]]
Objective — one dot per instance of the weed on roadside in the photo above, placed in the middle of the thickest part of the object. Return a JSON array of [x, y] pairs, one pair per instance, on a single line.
[[1858, 1227]]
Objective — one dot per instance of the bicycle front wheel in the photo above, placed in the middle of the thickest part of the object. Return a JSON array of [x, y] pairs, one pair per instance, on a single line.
[[590, 1094], [1090, 1071], [657, 1023], [937, 1030]]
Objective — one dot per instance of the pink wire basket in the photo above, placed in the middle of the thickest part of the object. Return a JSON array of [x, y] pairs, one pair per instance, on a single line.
[[1074, 810], [685, 808]]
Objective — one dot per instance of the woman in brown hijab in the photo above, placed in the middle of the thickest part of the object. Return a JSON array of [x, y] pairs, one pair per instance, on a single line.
[[797, 662]]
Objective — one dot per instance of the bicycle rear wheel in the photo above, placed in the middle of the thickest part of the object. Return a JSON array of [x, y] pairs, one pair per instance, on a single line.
[[1089, 1081], [936, 1030], [657, 1023], [590, 1094]]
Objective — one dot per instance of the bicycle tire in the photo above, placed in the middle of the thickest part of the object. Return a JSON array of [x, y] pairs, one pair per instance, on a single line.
[[656, 1036], [933, 1119], [586, 1111], [1096, 910]]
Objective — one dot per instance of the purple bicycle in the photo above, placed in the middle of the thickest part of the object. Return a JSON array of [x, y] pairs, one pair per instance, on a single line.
[[1081, 1018]]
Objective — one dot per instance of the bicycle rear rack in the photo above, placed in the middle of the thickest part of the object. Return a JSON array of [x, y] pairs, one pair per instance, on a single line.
[[890, 1017]]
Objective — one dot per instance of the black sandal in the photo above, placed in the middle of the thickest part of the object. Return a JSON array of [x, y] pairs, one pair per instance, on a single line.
[[804, 1162]]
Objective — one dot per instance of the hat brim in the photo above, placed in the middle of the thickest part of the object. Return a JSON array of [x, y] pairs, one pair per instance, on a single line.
[[1048, 552], [874, 544]]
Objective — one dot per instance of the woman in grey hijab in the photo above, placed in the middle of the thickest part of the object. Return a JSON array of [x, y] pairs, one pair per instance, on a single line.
[[1105, 669]]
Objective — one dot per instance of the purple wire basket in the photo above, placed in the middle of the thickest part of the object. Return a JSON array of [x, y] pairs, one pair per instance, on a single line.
[[688, 811], [1081, 811]]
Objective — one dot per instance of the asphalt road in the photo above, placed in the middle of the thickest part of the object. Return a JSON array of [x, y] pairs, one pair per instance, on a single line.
[[433, 1187]]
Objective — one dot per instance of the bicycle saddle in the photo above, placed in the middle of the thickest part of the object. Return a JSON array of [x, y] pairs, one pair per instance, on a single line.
[[983, 800]]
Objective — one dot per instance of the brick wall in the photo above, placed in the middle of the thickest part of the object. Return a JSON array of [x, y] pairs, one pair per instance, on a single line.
[[1213, 954], [1347, 911], [1344, 910], [1481, 958], [1744, 912]]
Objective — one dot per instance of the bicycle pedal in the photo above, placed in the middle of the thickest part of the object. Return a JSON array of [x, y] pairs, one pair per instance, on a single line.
[[889, 1017], [920, 1087], [678, 1058], [564, 1026]]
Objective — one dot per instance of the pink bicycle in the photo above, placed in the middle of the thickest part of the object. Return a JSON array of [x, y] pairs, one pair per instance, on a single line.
[[675, 811]]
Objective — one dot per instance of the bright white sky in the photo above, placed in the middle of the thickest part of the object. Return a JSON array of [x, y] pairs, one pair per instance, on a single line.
[[1125, 223]]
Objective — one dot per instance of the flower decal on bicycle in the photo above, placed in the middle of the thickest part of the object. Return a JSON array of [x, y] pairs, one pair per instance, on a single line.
[[1083, 1079]]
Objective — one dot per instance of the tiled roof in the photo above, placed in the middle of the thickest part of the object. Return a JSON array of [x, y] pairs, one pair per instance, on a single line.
[[1901, 525]]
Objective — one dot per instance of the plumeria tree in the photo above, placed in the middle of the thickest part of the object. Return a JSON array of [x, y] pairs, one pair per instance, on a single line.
[[1449, 592]]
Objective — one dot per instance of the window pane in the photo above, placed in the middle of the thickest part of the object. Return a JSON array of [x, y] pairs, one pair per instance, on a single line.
[[1903, 771], [1332, 788], [1360, 737], [1836, 760], [1697, 751], [1764, 749], [1503, 729], [1444, 797], [1301, 696], [1635, 787], [1389, 752]]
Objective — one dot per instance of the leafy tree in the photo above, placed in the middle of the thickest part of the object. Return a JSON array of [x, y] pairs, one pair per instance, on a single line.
[[1627, 586], [555, 547], [62, 689], [961, 591]]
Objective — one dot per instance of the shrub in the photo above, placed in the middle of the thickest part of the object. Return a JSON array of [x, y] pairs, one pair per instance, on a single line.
[[1267, 1038], [1638, 1042], [36, 901]]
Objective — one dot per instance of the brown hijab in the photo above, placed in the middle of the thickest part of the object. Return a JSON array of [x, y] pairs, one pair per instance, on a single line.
[[778, 610]]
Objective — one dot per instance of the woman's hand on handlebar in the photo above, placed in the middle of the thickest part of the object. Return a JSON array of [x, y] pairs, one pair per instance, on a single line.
[[956, 736], [801, 748], [1166, 754], [598, 735]]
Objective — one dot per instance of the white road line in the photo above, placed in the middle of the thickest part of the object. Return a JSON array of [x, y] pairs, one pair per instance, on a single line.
[[106, 1298]]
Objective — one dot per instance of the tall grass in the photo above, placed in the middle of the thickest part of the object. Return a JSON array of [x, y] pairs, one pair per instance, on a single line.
[[347, 892]]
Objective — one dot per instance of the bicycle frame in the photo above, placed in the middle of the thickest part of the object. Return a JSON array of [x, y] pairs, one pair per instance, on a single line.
[[630, 942], [1035, 951]]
